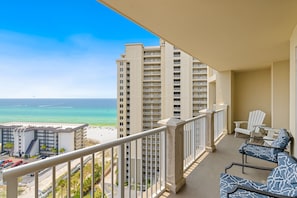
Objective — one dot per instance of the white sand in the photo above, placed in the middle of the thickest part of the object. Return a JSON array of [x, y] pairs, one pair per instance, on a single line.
[[102, 134]]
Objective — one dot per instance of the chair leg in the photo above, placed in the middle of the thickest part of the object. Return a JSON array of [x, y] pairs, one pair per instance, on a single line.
[[242, 168]]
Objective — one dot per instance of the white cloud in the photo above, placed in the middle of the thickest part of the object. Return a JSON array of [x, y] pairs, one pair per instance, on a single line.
[[79, 67]]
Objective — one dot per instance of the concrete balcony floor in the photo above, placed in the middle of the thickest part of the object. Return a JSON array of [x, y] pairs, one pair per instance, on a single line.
[[203, 178]]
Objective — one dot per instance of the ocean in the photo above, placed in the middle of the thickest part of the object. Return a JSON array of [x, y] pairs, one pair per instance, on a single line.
[[96, 112]]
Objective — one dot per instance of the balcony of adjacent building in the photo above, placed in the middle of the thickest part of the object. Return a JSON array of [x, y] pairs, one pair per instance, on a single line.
[[152, 60], [152, 54]]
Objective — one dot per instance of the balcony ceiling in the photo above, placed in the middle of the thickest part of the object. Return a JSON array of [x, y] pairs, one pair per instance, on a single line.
[[225, 34]]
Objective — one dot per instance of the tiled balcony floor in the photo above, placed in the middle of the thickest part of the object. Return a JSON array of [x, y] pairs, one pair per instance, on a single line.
[[203, 178]]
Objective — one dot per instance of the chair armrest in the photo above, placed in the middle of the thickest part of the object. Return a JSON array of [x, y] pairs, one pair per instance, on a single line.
[[265, 146], [259, 126], [240, 187], [248, 166], [238, 123]]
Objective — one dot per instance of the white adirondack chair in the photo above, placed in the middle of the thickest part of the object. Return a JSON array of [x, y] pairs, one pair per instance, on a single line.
[[255, 121]]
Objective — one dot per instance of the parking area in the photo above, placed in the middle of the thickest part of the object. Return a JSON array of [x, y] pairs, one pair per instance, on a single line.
[[7, 161]]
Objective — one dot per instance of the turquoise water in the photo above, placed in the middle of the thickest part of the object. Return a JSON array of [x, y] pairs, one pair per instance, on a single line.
[[101, 112]]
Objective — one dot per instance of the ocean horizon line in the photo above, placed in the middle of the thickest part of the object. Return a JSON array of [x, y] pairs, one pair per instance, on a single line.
[[56, 98]]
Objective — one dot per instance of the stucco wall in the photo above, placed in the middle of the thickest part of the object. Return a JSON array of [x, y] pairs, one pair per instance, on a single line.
[[66, 141], [293, 98], [280, 94], [252, 90], [224, 94]]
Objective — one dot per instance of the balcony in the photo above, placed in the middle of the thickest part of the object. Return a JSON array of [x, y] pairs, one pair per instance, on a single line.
[[198, 138], [202, 178]]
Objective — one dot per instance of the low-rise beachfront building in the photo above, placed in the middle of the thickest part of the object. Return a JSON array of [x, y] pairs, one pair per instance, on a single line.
[[31, 138]]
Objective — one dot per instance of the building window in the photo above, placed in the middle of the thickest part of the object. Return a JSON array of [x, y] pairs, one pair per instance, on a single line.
[[176, 61], [176, 54]]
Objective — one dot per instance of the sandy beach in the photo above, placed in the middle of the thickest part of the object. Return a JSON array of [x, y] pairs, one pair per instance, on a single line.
[[101, 134]]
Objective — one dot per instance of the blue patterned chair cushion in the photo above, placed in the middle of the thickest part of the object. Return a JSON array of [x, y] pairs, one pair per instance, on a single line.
[[264, 153], [229, 182], [283, 179], [282, 139], [267, 153]]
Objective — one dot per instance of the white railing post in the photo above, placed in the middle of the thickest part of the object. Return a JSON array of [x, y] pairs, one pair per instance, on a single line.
[[175, 153], [121, 170], [209, 132], [225, 122], [12, 187]]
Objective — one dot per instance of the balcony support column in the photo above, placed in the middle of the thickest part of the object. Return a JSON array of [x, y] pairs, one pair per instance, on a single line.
[[209, 133], [175, 153], [12, 187]]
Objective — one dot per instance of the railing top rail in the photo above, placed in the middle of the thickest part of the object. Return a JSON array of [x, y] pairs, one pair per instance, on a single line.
[[220, 109], [195, 118], [63, 158]]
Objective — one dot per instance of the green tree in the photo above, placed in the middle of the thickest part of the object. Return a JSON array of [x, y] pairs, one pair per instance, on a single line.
[[54, 150], [62, 150], [62, 184], [43, 147], [8, 146]]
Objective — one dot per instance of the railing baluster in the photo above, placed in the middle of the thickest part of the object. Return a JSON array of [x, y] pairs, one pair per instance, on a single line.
[[130, 170], [81, 176], [103, 173], [135, 169], [121, 170], [36, 184], [93, 176], [146, 168], [54, 181], [161, 159], [112, 171], [155, 157], [151, 165], [69, 179], [140, 172], [165, 158]]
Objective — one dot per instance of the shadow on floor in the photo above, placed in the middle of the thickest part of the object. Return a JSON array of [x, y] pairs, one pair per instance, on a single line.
[[203, 181]]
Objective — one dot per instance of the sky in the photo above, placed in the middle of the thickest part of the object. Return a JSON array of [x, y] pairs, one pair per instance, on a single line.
[[63, 48]]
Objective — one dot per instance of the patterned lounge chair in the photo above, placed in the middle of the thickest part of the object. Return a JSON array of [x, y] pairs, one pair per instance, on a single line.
[[282, 182], [268, 153]]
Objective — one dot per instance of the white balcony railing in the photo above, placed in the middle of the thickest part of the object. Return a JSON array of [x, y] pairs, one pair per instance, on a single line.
[[220, 122], [63, 166], [194, 139], [140, 165]]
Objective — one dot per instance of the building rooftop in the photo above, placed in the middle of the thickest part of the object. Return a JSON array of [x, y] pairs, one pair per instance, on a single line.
[[56, 126]]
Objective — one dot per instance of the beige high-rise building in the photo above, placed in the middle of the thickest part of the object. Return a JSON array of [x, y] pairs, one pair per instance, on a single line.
[[155, 83]]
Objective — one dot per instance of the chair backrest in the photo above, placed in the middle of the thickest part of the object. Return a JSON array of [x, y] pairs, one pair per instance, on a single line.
[[283, 179], [255, 118], [282, 139]]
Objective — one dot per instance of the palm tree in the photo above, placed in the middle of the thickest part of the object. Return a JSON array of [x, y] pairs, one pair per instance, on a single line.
[[54, 150], [43, 147], [62, 184], [8, 146], [62, 150]]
